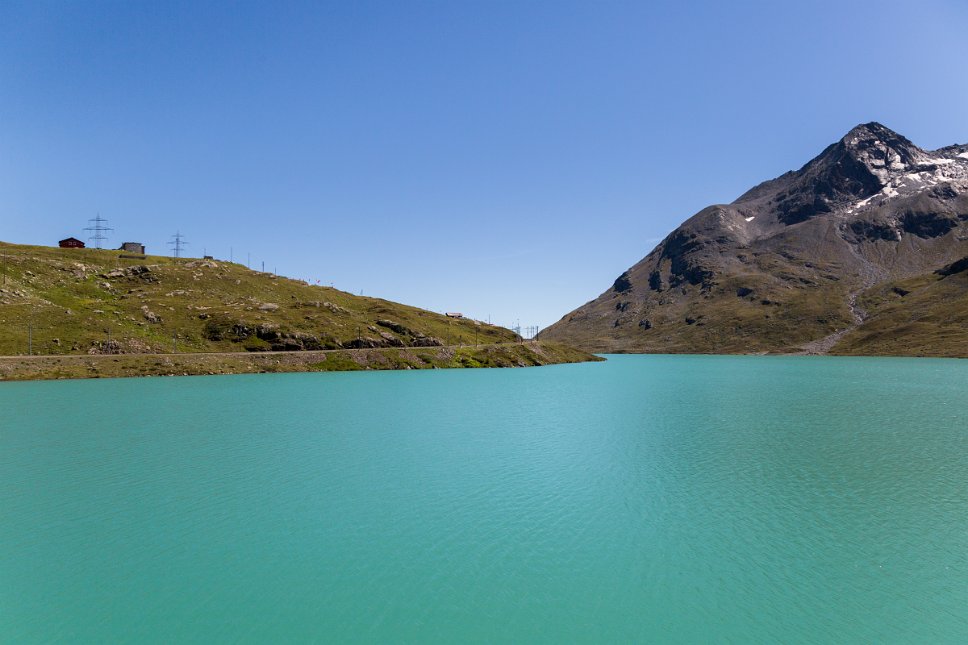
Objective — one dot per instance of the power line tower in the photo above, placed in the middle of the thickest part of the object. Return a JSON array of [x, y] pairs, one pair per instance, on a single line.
[[98, 227], [177, 244]]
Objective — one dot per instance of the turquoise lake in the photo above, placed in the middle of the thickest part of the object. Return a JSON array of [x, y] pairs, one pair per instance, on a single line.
[[679, 499]]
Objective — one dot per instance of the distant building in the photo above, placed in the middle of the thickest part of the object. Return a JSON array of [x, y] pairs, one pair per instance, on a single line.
[[454, 314], [133, 247], [71, 243]]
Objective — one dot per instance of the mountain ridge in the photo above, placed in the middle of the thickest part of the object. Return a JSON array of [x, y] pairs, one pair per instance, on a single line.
[[791, 265]]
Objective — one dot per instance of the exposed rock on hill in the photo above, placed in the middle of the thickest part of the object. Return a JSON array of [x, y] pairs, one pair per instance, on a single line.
[[815, 260]]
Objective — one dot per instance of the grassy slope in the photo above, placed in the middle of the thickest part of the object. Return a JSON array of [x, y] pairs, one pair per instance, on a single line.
[[930, 319], [787, 305], [193, 306], [781, 315], [784, 305]]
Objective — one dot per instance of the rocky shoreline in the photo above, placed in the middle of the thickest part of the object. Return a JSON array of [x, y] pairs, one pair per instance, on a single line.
[[77, 366]]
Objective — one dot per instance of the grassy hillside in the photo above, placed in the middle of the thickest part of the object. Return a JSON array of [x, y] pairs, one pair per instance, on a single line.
[[769, 299], [87, 301], [922, 316]]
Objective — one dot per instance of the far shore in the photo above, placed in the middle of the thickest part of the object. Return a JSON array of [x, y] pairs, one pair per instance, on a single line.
[[78, 366]]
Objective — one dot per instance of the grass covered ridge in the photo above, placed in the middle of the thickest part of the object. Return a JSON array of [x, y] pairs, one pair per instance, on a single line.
[[87, 301]]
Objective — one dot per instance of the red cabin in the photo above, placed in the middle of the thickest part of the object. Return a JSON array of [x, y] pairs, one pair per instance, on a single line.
[[71, 243]]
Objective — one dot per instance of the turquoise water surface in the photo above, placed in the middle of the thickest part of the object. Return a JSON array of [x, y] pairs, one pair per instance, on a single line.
[[650, 498]]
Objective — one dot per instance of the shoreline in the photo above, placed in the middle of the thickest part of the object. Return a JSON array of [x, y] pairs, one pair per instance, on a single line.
[[82, 366]]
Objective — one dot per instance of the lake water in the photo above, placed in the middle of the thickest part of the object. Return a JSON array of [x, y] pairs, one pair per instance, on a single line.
[[649, 498]]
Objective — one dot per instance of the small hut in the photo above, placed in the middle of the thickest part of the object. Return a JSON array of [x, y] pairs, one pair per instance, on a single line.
[[71, 243]]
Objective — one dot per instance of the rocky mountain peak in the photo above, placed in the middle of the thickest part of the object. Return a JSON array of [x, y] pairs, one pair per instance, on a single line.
[[881, 150], [872, 131], [869, 160]]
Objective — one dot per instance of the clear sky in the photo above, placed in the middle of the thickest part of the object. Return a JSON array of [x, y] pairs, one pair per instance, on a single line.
[[503, 159]]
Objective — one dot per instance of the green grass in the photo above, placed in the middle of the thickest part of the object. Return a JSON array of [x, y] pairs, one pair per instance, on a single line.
[[337, 363], [71, 305], [930, 319]]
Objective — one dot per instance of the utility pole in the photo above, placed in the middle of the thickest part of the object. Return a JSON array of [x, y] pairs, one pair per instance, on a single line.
[[177, 244], [263, 266], [98, 227]]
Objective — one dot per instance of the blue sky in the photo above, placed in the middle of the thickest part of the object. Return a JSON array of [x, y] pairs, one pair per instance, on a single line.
[[504, 159]]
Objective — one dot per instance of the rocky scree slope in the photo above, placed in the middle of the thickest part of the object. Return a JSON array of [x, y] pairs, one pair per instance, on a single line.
[[864, 250]]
